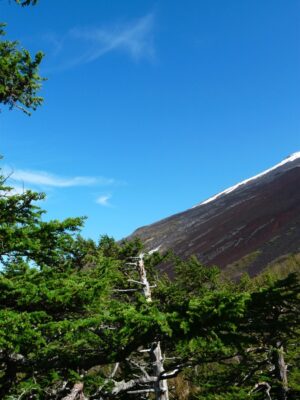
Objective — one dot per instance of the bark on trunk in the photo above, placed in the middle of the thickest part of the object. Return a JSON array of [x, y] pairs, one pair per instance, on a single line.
[[144, 280], [161, 385], [145, 383], [281, 372], [76, 393]]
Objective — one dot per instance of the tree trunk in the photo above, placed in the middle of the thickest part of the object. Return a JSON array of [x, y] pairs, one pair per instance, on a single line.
[[281, 372], [76, 393], [144, 280], [161, 385]]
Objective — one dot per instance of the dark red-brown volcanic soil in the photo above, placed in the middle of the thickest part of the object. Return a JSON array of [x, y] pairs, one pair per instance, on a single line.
[[261, 215]]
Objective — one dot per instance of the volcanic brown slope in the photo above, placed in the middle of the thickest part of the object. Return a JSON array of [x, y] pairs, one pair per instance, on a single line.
[[244, 228]]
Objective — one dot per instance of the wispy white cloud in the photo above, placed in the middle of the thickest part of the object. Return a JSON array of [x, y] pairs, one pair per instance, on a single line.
[[86, 44], [135, 39], [104, 200], [41, 178]]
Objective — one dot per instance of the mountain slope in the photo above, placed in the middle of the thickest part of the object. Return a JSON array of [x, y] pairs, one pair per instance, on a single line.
[[243, 228]]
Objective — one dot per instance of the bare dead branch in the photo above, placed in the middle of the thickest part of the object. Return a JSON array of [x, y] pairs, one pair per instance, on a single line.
[[114, 371], [261, 385], [76, 392], [150, 390]]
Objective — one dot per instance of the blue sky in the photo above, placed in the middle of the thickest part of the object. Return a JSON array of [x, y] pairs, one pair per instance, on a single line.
[[152, 106]]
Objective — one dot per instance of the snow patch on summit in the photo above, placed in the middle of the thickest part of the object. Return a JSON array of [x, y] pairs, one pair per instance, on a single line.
[[291, 158]]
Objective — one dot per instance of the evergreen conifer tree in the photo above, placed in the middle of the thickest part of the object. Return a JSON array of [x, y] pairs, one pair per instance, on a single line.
[[19, 77]]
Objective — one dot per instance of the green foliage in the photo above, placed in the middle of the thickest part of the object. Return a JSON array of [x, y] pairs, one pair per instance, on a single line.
[[272, 328], [25, 237], [63, 310], [269, 328], [19, 78], [70, 308]]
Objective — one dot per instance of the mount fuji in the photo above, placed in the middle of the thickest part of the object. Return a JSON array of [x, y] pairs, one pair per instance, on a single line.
[[245, 228]]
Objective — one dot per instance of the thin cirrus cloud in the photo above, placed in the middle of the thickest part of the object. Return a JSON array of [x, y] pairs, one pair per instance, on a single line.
[[41, 178], [104, 200], [85, 45]]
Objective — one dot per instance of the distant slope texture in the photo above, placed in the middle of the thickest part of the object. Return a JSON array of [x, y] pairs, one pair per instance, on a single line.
[[244, 228]]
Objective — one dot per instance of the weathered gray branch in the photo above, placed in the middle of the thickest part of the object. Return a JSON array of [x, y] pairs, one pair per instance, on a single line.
[[76, 393], [150, 390], [155, 383], [262, 384]]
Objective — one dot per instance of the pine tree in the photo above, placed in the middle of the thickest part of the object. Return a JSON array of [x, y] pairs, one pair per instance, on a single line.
[[19, 77], [272, 328], [266, 365], [86, 320], [76, 318]]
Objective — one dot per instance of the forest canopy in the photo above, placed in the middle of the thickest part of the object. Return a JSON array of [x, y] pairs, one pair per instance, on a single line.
[[80, 319]]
